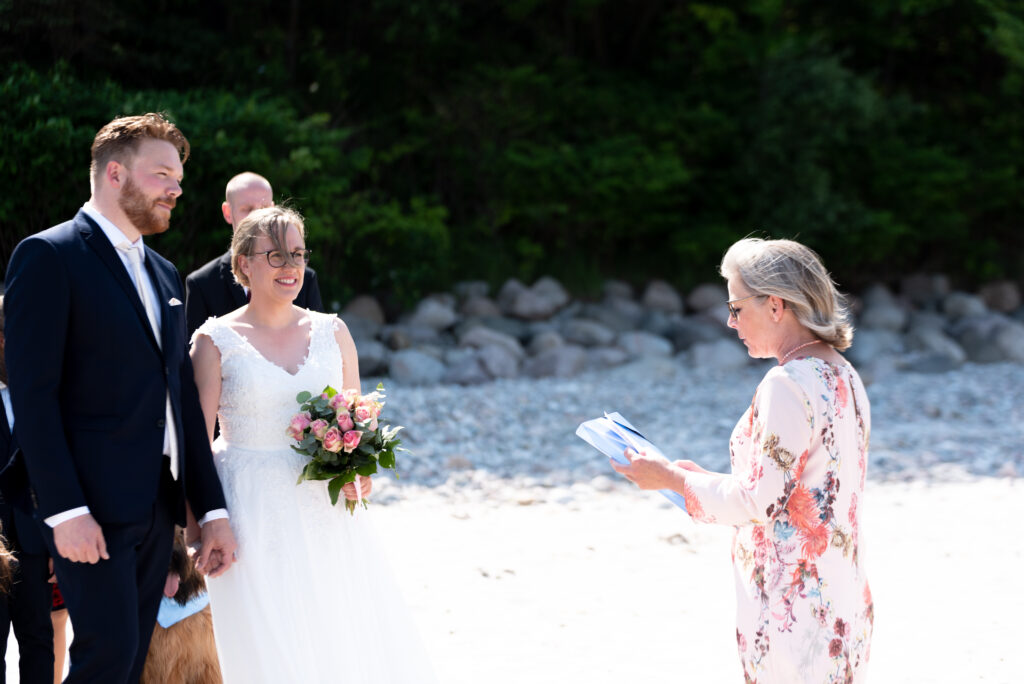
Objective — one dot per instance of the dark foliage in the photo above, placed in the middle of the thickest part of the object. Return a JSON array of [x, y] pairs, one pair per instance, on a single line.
[[433, 141]]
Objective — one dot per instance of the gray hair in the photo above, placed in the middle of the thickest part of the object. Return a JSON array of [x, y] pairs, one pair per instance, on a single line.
[[795, 274]]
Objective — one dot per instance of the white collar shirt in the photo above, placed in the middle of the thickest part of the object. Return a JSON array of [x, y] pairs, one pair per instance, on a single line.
[[116, 238]]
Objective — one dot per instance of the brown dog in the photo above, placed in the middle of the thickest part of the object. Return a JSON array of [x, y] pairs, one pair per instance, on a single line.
[[185, 652]]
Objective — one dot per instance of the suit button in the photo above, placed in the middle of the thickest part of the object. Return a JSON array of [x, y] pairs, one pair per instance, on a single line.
[[161, 423]]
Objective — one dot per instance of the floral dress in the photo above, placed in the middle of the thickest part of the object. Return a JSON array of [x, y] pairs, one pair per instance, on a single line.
[[799, 459]]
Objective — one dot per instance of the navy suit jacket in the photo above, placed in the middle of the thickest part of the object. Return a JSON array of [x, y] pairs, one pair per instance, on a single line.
[[89, 382], [19, 529], [211, 290]]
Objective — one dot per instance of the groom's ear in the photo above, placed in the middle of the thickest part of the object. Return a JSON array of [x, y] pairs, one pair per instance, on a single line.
[[115, 173]]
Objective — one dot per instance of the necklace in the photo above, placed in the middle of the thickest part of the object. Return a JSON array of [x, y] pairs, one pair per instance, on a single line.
[[794, 350]]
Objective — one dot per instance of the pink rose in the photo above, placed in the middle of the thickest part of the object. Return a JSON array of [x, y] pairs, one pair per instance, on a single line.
[[350, 396], [332, 440], [363, 414], [345, 421], [300, 421], [319, 428], [373, 425], [351, 440], [337, 401]]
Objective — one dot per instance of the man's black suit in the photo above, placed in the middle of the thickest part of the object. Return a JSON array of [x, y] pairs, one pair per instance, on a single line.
[[211, 290], [27, 604], [89, 384]]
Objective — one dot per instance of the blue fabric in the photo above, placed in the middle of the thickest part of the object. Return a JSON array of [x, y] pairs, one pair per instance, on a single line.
[[172, 612]]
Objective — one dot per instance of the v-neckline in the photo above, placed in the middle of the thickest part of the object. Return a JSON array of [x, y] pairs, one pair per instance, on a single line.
[[302, 363]]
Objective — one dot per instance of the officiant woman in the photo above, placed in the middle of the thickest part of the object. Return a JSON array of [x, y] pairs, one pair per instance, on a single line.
[[794, 491]]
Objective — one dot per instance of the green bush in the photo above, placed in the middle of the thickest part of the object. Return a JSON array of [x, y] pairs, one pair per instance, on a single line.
[[433, 141]]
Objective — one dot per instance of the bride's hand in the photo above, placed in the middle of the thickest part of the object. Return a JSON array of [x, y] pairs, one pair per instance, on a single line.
[[349, 490]]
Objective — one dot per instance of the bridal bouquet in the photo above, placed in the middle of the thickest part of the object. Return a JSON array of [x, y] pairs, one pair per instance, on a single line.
[[341, 435]]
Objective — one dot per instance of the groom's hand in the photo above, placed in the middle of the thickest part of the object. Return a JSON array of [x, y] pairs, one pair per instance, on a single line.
[[217, 552], [80, 540]]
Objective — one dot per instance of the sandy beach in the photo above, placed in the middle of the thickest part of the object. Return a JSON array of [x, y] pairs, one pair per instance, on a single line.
[[620, 587], [527, 564], [625, 588]]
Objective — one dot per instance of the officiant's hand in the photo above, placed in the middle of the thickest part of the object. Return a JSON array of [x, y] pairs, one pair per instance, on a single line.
[[217, 552], [80, 540], [646, 471], [690, 465], [349, 490]]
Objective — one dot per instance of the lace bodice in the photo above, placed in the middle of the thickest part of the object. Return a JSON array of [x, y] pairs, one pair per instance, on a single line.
[[257, 397]]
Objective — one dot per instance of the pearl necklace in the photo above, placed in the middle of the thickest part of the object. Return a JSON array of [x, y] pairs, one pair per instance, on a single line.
[[794, 350]]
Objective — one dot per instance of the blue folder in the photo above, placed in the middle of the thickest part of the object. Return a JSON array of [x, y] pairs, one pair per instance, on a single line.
[[611, 434]]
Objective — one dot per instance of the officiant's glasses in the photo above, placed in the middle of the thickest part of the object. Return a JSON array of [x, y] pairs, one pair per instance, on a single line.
[[276, 257], [735, 312]]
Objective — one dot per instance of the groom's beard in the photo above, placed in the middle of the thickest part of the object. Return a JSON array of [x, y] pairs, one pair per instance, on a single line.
[[142, 211]]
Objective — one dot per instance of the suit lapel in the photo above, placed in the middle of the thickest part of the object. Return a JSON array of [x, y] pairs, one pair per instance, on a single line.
[[236, 294], [164, 291], [99, 243]]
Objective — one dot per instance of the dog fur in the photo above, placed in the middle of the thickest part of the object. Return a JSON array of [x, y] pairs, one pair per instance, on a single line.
[[184, 653]]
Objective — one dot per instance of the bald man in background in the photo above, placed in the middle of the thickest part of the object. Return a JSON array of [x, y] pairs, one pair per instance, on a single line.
[[211, 290]]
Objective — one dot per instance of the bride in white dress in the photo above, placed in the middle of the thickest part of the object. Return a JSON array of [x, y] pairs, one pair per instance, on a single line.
[[311, 598]]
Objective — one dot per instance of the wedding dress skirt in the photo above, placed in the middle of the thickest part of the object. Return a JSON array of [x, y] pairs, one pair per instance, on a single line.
[[311, 598]]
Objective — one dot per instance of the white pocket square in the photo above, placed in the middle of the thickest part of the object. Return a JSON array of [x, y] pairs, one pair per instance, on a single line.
[[174, 301]]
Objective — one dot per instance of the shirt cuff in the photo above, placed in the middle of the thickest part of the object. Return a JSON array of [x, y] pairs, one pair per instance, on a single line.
[[55, 520], [215, 514]]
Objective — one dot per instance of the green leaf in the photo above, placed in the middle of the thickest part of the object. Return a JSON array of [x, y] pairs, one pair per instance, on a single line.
[[303, 397], [334, 489], [367, 470]]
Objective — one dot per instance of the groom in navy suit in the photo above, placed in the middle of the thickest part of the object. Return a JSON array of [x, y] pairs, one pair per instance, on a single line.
[[109, 421]]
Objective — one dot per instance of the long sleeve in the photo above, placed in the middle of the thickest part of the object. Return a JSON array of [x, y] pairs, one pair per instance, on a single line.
[[769, 455], [196, 308], [37, 307]]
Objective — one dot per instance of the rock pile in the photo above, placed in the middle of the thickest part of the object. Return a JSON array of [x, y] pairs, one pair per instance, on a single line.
[[469, 337]]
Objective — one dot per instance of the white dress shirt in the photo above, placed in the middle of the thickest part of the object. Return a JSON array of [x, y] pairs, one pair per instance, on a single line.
[[116, 237], [5, 392]]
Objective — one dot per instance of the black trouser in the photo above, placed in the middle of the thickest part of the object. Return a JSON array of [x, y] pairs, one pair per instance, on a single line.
[[27, 608], [113, 604]]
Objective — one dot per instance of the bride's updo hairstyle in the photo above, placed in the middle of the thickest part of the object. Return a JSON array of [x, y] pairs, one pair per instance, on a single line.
[[795, 274], [271, 222]]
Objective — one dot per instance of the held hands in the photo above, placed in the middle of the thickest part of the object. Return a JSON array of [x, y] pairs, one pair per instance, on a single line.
[[80, 540], [217, 552], [349, 490]]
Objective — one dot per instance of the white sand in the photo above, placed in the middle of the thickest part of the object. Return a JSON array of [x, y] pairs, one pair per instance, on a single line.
[[621, 588], [624, 589]]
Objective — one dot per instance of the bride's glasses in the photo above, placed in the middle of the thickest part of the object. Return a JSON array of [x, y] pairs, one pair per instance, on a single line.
[[276, 258]]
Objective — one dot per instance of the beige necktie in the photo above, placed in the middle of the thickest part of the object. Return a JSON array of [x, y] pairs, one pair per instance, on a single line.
[[170, 434]]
